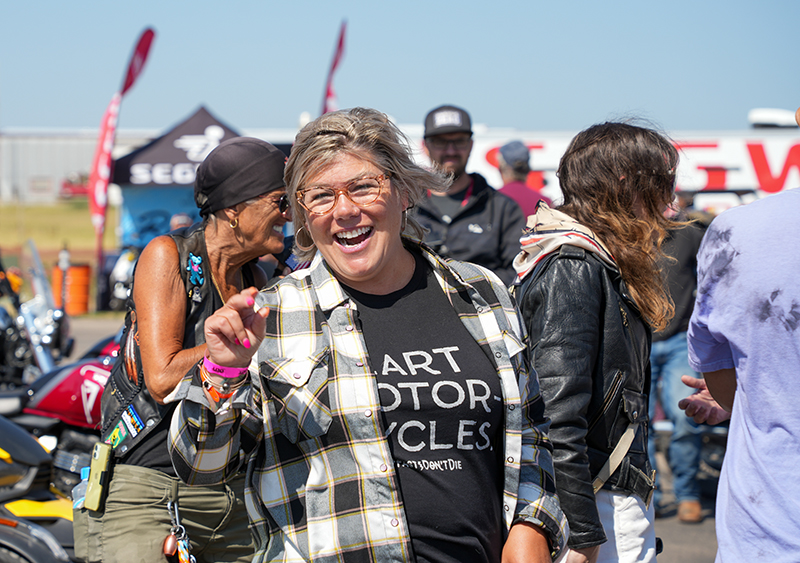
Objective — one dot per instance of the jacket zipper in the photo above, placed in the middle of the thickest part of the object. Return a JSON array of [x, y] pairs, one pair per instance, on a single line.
[[607, 400]]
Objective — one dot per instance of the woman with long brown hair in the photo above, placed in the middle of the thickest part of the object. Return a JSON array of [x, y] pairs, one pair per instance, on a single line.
[[590, 294]]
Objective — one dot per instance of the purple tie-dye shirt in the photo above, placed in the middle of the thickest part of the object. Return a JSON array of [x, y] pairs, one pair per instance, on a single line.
[[747, 317]]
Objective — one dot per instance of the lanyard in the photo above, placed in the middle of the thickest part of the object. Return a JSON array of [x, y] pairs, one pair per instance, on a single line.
[[467, 193]]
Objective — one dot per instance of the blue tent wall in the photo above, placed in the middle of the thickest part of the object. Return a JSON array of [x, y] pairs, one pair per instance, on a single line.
[[146, 212]]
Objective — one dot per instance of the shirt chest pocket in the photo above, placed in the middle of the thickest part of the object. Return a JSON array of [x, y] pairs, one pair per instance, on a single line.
[[298, 388]]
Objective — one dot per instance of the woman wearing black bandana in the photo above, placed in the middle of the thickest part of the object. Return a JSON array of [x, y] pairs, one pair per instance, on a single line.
[[181, 279]]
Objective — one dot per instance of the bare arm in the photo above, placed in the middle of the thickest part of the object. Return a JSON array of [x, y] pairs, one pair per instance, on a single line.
[[159, 294], [526, 543], [722, 386]]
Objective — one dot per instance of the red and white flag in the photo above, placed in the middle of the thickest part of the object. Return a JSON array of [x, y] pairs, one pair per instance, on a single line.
[[100, 172], [138, 59], [329, 102], [101, 165]]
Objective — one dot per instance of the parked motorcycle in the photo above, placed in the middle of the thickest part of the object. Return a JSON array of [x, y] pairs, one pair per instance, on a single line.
[[62, 409], [35, 523], [34, 335], [120, 280]]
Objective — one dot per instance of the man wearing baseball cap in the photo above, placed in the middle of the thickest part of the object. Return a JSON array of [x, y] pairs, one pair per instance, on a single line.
[[471, 221], [513, 160]]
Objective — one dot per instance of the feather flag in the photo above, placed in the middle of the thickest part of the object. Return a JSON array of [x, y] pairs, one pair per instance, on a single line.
[[101, 164], [329, 102]]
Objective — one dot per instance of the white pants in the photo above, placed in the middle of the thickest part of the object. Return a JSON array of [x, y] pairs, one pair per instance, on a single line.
[[629, 527]]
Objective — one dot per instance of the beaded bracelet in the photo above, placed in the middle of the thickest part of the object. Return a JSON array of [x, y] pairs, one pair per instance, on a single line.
[[222, 371]]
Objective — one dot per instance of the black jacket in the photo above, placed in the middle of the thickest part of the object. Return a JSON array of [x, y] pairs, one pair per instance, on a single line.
[[485, 231], [681, 275], [591, 350]]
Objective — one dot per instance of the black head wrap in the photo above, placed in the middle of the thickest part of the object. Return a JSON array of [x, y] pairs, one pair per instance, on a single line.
[[237, 170]]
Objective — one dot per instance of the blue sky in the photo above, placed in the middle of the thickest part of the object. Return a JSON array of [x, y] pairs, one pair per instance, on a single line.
[[528, 64]]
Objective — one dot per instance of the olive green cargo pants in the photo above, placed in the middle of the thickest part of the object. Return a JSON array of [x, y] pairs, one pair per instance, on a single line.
[[135, 521]]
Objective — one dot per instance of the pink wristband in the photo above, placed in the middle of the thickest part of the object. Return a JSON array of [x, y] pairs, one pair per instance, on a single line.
[[222, 371]]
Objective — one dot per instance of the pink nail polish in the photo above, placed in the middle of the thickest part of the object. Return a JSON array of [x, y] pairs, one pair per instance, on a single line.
[[250, 302], [237, 341], [246, 343]]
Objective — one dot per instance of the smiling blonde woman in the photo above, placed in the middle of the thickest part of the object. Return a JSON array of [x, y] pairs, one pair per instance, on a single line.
[[389, 413]]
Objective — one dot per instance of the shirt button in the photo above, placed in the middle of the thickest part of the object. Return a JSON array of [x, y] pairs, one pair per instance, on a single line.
[[349, 328], [384, 467], [511, 407], [497, 354], [360, 364], [367, 413], [297, 375], [395, 522], [510, 460], [480, 309], [505, 507]]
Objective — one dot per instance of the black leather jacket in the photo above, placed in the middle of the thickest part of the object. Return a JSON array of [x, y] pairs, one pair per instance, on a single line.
[[485, 231], [591, 350]]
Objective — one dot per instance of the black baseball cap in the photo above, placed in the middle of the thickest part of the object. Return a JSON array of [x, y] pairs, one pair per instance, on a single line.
[[447, 119]]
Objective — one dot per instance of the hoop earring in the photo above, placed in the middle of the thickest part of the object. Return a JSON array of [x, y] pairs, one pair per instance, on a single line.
[[234, 223], [297, 240]]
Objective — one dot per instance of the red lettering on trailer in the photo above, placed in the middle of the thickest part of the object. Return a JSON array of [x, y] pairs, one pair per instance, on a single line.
[[682, 146], [766, 180], [491, 154], [716, 176]]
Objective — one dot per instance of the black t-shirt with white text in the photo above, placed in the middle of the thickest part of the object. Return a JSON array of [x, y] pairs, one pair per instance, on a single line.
[[443, 410]]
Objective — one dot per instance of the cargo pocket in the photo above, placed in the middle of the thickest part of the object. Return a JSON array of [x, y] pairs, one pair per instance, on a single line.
[[298, 388], [80, 531]]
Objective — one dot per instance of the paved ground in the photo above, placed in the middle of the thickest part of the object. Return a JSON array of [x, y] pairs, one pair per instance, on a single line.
[[683, 543]]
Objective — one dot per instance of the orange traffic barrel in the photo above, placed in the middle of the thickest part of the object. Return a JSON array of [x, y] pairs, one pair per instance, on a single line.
[[75, 290]]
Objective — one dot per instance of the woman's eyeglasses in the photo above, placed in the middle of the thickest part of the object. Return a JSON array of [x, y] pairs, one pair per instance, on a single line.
[[319, 200]]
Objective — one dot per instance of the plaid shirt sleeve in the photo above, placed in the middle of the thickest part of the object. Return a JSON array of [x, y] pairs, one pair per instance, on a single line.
[[207, 447]]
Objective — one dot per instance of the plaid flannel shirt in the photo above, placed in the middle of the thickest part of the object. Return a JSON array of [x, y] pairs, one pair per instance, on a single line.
[[321, 480]]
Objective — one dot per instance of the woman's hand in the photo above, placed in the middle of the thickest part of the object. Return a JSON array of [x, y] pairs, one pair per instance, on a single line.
[[234, 332]]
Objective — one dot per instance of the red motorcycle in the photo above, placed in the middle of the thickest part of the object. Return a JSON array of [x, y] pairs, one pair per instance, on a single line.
[[62, 409]]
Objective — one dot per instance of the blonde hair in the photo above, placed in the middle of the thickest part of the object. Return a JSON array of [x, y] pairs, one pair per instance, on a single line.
[[366, 134]]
